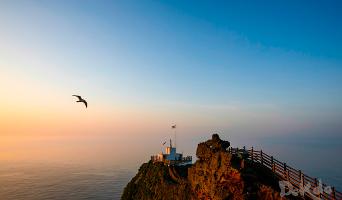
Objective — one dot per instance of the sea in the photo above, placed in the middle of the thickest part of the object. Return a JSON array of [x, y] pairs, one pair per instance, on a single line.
[[56, 181], [39, 180]]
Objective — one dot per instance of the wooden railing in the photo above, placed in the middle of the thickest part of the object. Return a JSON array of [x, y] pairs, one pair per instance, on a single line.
[[183, 160], [297, 178]]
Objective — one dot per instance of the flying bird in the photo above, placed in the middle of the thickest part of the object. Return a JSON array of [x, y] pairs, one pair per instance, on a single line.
[[81, 100]]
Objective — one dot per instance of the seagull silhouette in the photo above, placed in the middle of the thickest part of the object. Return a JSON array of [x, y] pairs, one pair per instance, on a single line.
[[81, 100]]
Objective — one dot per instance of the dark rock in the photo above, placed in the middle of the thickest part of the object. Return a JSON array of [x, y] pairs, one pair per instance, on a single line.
[[213, 176]]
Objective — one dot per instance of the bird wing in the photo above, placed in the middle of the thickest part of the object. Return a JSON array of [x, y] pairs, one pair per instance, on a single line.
[[79, 97], [86, 104]]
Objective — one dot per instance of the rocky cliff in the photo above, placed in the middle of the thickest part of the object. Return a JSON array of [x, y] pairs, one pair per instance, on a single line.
[[216, 175]]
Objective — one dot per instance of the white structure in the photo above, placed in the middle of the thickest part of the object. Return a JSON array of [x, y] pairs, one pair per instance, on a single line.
[[171, 157]]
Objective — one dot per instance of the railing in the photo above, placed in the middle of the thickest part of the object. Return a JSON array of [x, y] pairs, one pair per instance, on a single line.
[[186, 159], [313, 188]]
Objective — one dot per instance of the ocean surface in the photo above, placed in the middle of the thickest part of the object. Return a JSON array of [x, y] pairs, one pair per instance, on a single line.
[[24, 180], [39, 181]]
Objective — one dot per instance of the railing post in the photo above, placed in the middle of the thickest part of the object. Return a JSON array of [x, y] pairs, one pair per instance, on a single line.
[[333, 193], [316, 185], [272, 164], [301, 178], [252, 155], [262, 161], [285, 172]]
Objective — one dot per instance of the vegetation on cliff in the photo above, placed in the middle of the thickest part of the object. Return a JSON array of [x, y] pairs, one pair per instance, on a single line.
[[216, 175]]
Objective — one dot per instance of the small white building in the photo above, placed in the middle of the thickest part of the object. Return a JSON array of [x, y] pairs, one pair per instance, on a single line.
[[171, 157]]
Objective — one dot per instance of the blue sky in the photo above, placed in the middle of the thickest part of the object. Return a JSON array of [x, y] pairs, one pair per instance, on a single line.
[[266, 74], [275, 55]]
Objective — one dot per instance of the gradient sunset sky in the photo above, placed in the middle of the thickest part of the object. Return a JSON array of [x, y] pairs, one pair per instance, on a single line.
[[243, 69]]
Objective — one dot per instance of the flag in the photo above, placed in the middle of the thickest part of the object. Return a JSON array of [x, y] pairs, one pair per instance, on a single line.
[[174, 126]]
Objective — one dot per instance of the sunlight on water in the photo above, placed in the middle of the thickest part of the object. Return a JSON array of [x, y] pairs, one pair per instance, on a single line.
[[105, 178], [38, 181]]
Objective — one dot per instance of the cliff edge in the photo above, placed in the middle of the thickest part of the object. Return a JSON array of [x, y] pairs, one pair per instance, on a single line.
[[216, 175]]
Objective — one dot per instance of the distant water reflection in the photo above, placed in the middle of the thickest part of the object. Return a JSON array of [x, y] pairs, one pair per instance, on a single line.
[[69, 182], [40, 181]]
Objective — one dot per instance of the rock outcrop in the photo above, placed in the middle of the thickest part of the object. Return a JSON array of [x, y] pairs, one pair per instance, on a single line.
[[212, 176], [154, 181], [216, 175]]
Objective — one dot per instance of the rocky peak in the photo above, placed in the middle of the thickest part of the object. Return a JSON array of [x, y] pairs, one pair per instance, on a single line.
[[206, 149], [212, 177], [215, 175]]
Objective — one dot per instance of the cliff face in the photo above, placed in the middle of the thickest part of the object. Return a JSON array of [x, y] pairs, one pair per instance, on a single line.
[[157, 181], [212, 176], [216, 175]]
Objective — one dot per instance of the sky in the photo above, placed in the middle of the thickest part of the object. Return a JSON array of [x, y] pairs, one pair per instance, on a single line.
[[250, 71]]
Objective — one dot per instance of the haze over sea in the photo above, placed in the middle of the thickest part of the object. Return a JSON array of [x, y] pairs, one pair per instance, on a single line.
[[105, 179], [265, 74]]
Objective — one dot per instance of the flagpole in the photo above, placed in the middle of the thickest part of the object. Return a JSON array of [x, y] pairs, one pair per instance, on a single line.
[[176, 137], [175, 127]]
